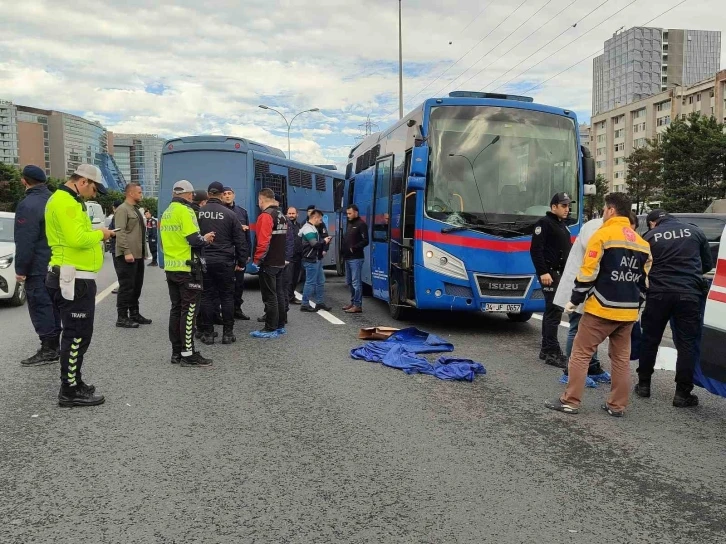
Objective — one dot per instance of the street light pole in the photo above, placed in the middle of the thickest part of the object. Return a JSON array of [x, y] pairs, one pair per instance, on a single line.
[[289, 124], [400, 64]]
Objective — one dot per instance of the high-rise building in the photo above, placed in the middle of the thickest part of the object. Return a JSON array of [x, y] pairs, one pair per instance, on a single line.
[[8, 133], [616, 133], [34, 137], [138, 157], [640, 62]]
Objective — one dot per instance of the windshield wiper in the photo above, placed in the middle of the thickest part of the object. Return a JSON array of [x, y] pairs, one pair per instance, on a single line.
[[480, 226]]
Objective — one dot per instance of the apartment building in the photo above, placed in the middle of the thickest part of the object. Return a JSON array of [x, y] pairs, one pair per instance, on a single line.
[[138, 157], [8, 133], [642, 61], [616, 133]]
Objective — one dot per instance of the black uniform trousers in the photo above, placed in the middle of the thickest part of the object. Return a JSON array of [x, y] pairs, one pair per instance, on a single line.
[[218, 291], [154, 250], [551, 318], [185, 293], [130, 284], [274, 296], [43, 313], [239, 288], [293, 278], [685, 309], [77, 323]]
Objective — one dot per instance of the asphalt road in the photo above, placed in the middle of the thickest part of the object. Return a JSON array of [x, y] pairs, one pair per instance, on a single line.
[[290, 440]]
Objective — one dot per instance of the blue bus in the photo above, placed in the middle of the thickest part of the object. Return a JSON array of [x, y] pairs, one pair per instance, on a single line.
[[248, 167], [451, 194]]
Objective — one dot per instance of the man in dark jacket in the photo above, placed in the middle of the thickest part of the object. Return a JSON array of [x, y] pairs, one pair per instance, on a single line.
[[152, 236], [228, 253], [295, 265], [239, 279], [681, 255], [32, 255], [272, 246], [549, 251], [354, 241]]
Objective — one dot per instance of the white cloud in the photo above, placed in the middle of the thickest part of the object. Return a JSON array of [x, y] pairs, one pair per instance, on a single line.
[[216, 61]]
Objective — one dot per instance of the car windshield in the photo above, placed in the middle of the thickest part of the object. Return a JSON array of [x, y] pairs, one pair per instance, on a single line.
[[7, 224], [499, 165]]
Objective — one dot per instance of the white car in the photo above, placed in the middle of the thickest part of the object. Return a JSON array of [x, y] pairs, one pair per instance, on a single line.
[[9, 288]]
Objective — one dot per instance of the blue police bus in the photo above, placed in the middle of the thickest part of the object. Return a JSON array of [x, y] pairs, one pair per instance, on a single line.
[[451, 194], [248, 167]]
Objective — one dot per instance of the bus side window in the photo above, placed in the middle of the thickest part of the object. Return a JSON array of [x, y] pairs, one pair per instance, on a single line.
[[338, 188], [409, 207], [351, 187]]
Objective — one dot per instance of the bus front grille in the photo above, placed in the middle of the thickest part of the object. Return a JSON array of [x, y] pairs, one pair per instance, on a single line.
[[503, 286]]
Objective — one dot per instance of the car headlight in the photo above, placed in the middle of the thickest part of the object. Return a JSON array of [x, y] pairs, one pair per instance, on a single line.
[[6, 261], [438, 260]]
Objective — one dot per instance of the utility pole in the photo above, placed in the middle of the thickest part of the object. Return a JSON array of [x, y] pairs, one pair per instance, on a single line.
[[400, 64], [289, 124]]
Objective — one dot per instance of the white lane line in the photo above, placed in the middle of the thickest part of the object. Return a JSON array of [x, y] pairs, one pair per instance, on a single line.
[[322, 313], [107, 291], [564, 324]]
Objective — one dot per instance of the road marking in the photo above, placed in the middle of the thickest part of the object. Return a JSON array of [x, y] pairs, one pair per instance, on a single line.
[[564, 324], [322, 313], [107, 291]]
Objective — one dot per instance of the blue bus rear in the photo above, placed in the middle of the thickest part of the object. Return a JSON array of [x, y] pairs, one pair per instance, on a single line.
[[451, 194], [248, 167]]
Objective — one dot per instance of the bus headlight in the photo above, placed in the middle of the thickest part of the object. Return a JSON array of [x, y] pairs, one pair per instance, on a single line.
[[438, 260]]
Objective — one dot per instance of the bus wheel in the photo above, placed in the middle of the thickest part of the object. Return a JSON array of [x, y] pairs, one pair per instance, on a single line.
[[395, 309], [520, 318]]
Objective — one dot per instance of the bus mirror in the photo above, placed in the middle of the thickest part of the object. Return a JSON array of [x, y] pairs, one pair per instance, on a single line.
[[588, 170], [590, 190], [419, 162], [416, 183]]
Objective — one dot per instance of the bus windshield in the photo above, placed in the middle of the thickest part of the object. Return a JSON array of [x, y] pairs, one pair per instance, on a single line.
[[494, 165]]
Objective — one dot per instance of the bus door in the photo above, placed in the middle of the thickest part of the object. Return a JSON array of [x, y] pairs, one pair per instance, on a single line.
[[403, 228], [380, 231]]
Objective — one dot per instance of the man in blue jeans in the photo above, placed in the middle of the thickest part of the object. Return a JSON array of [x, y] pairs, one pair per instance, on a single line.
[[312, 247], [354, 241]]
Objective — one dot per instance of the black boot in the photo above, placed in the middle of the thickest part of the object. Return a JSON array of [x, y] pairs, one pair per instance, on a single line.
[[78, 396], [176, 358], [124, 322], [47, 354], [136, 317], [643, 388], [684, 398], [196, 360], [228, 336], [239, 314], [91, 389], [207, 338]]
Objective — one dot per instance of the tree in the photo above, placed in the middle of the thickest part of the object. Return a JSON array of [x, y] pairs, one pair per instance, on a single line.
[[152, 204], [596, 201], [11, 188], [644, 177], [694, 164]]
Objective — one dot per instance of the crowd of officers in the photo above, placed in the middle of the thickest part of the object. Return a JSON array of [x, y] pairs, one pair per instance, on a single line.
[[603, 284]]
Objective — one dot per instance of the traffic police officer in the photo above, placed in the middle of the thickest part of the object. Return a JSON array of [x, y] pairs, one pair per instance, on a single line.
[[228, 254], [76, 258], [180, 241], [549, 251], [681, 255]]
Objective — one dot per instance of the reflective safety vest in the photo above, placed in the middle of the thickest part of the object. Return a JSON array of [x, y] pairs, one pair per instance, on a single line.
[[71, 237], [177, 222], [614, 272]]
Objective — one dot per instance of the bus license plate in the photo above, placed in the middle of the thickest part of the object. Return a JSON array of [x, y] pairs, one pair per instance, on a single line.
[[508, 308]]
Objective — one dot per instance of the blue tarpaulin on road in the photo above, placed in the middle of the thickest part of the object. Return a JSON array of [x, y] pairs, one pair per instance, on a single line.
[[402, 351]]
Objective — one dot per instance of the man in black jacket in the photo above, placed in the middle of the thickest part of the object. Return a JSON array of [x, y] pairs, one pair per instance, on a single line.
[[228, 253], [549, 251], [32, 255], [681, 255], [355, 240], [239, 276], [295, 266]]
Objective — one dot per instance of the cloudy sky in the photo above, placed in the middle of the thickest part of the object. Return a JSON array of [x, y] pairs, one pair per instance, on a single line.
[[196, 67]]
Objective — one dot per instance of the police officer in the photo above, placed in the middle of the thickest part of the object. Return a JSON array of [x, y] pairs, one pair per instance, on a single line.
[[239, 275], [295, 265], [228, 254], [549, 251], [152, 236], [681, 255], [181, 241], [32, 255], [76, 258]]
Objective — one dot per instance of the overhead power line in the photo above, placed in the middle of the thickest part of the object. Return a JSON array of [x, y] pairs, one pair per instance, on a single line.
[[497, 45], [598, 51], [568, 44], [475, 18], [520, 42], [549, 42], [465, 54]]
